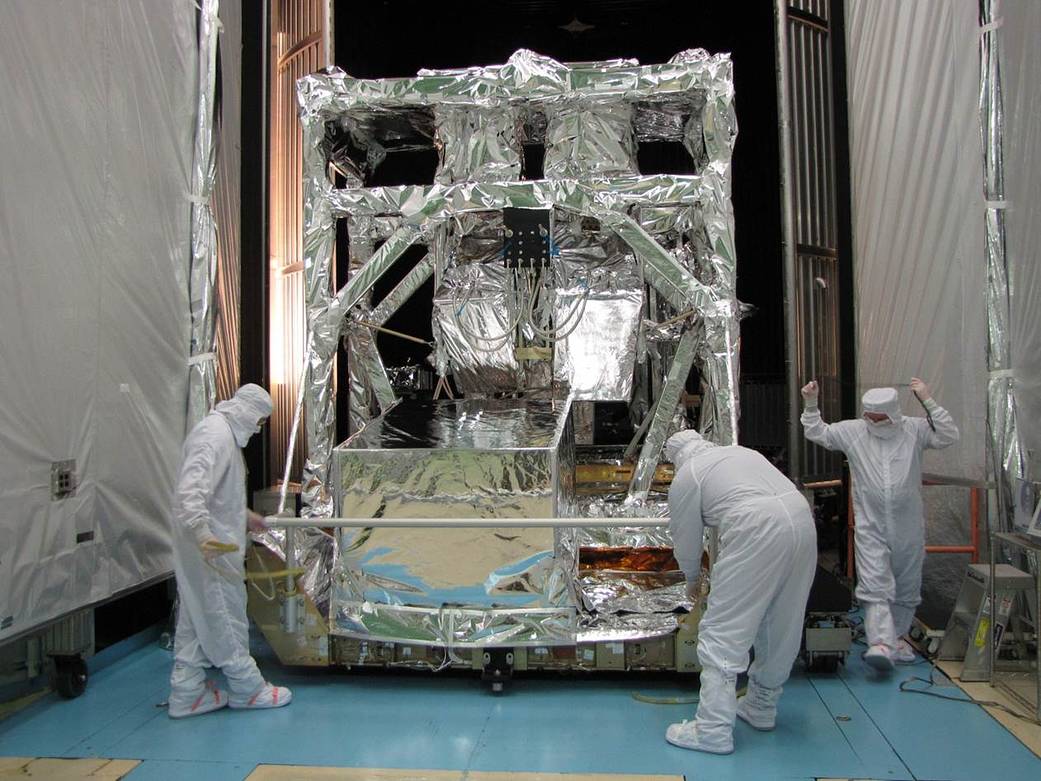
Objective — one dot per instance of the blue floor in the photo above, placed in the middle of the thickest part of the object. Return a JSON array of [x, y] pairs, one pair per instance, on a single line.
[[853, 725]]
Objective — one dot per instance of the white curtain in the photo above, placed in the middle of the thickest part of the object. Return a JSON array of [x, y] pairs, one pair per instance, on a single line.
[[918, 233], [918, 209], [95, 148]]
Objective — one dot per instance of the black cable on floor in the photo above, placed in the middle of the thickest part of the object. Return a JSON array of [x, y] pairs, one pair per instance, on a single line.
[[968, 698]]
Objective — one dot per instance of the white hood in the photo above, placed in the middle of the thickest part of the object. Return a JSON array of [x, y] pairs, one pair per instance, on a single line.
[[886, 401], [249, 404], [684, 445]]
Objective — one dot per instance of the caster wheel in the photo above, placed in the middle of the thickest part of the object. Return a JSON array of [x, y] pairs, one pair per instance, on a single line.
[[70, 676]]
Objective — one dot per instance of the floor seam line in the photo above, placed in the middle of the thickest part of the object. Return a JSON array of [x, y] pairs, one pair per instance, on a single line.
[[876, 725], [108, 724], [835, 723]]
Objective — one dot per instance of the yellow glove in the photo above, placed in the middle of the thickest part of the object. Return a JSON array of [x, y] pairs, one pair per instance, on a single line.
[[212, 548]]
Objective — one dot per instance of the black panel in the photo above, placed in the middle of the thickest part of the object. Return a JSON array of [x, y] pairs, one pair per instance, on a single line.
[[254, 220]]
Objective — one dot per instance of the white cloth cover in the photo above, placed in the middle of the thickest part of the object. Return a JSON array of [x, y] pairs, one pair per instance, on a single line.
[[889, 535], [96, 128], [918, 235], [760, 580], [210, 502], [917, 181]]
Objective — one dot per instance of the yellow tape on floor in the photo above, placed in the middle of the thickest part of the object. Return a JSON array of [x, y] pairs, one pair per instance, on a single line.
[[66, 769], [305, 773]]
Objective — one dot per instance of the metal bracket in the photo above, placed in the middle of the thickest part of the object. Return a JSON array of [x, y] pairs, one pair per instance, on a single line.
[[498, 667], [292, 613]]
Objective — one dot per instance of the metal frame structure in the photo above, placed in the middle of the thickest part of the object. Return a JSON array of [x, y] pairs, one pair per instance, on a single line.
[[590, 117], [425, 214], [818, 285]]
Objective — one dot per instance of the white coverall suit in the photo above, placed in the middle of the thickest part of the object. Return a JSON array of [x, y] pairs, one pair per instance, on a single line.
[[885, 462], [760, 580], [210, 504]]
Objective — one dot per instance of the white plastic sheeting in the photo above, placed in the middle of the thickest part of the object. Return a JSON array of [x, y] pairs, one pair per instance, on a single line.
[[96, 138], [918, 234], [918, 210], [1021, 88]]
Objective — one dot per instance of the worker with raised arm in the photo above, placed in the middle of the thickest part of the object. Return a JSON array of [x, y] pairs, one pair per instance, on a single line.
[[884, 449]]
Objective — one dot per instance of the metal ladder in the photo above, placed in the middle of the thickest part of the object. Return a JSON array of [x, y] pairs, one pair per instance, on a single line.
[[966, 635]]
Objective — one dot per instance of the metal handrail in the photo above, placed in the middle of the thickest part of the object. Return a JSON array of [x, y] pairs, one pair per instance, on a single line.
[[275, 521], [976, 496]]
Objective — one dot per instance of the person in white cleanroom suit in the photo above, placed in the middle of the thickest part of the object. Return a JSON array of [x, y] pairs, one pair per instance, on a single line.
[[760, 581], [884, 450], [209, 511]]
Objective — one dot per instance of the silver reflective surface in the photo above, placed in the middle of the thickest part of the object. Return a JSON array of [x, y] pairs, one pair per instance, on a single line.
[[471, 458], [202, 373], [1003, 427], [639, 283]]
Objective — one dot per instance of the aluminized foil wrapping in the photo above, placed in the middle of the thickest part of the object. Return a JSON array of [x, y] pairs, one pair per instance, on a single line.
[[413, 281], [202, 374], [477, 145], [476, 313], [367, 369], [634, 599], [409, 378], [656, 248], [598, 303], [589, 138], [316, 555], [458, 586], [615, 506], [1008, 463]]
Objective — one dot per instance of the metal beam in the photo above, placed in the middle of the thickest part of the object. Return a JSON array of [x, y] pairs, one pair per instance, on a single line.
[[277, 522], [788, 235], [682, 361]]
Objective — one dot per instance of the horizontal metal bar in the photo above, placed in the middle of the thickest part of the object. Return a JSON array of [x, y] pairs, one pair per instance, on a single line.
[[820, 252], [276, 522], [823, 484], [950, 548], [931, 478], [392, 332]]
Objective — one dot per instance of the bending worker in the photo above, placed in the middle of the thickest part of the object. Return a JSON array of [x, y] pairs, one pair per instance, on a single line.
[[209, 533], [884, 450], [760, 581]]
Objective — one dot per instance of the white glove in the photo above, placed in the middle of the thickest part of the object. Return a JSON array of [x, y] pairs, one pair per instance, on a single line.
[[920, 389], [810, 391], [255, 522]]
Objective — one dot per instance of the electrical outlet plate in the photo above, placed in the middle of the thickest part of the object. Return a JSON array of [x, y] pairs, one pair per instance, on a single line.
[[63, 479]]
